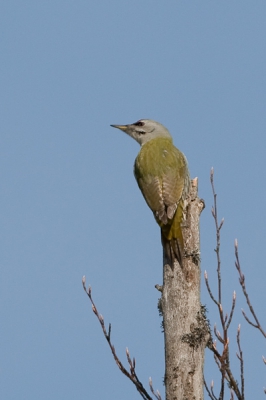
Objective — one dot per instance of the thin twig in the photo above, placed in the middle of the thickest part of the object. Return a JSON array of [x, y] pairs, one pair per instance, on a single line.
[[232, 311], [214, 350], [222, 360], [130, 375], [217, 334], [217, 360], [209, 289], [210, 393], [243, 286], [221, 395], [233, 383], [157, 395], [240, 357], [248, 320], [218, 228], [217, 249]]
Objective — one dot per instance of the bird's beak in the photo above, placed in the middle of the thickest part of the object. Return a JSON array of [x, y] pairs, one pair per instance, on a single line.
[[121, 127]]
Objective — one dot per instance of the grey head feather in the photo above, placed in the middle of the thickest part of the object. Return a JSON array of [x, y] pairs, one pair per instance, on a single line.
[[144, 130]]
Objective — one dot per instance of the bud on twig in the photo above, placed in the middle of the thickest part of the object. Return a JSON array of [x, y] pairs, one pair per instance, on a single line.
[[221, 224]]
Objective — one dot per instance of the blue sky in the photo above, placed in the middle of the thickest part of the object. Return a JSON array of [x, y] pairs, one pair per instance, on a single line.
[[69, 203]]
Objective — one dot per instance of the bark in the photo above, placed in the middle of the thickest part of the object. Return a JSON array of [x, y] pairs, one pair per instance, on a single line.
[[185, 327]]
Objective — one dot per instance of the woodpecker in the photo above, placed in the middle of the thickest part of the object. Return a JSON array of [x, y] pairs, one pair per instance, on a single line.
[[161, 171]]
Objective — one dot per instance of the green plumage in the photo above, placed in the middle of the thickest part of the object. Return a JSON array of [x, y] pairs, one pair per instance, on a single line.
[[162, 174]]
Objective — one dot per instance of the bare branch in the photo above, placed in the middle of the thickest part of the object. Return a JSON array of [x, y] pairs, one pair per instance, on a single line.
[[218, 228], [248, 320], [218, 335], [233, 384], [130, 375], [212, 347], [221, 395], [217, 251], [223, 364], [232, 311], [209, 289], [243, 286], [222, 360], [240, 357], [217, 360], [109, 332]]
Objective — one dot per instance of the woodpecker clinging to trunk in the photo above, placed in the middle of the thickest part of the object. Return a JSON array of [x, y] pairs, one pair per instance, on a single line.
[[161, 171]]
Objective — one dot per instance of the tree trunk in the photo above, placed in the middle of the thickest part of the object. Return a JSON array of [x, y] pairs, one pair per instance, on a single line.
[[185, 329]]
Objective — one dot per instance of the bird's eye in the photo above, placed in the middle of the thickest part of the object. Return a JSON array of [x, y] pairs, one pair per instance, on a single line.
[[139, 123]]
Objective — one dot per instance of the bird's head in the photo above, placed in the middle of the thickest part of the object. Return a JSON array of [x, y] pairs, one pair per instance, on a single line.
[[144, 130]]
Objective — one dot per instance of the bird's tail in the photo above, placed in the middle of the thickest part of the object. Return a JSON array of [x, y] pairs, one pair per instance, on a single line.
[[173, 250], [172, 238]]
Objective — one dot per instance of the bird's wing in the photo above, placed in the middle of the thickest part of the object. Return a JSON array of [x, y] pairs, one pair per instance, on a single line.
[[174, 181], [152, 190], [163, 186]]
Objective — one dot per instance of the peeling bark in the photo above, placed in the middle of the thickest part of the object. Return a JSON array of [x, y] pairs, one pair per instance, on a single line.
[[185, 328]]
